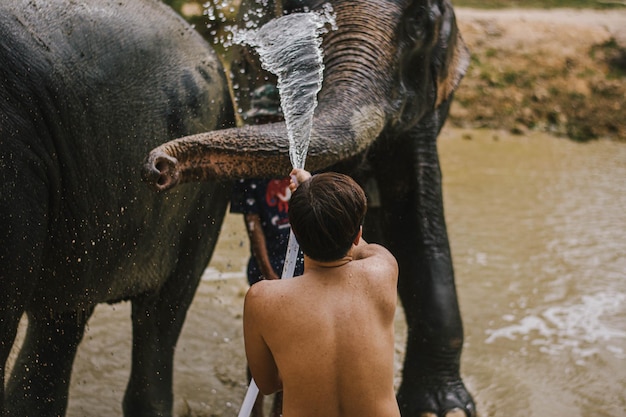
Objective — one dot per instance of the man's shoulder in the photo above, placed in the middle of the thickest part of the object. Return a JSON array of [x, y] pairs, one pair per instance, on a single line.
[[257, 299], [267, 298], [378, 266], [376, 253], [267, 289], [259, 289]]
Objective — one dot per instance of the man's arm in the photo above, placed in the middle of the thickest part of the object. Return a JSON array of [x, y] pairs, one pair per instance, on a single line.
[[260, 358], [259, 246]]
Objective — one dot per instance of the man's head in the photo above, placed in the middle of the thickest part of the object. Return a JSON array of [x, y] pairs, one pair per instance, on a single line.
[[326, 213]]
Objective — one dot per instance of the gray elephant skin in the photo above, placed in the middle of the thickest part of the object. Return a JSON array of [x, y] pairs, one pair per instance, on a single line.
[[390, 71], [87, 88]]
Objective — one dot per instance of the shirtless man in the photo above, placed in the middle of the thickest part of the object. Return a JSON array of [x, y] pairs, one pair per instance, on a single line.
[[326, 338]]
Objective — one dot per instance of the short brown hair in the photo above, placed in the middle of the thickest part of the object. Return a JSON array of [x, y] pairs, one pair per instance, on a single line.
[[326, 213]]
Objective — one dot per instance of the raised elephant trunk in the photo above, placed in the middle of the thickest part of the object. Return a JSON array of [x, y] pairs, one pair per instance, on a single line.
[[257, 151], [386, 75], [349, 117]]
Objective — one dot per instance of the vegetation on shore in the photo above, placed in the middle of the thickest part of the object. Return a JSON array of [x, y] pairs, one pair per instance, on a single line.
[[554, 75]]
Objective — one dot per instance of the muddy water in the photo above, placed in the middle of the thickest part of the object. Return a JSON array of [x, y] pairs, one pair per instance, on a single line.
[[537, 229]]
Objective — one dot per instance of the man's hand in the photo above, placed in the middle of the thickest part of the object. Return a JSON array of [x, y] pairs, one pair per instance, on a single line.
[[298, 176]]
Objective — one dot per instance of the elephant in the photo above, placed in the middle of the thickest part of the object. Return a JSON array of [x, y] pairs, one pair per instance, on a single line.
[[86, 90], [390, 71]]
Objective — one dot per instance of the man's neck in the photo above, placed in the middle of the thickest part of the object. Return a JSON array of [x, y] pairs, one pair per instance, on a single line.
[[314, 264]]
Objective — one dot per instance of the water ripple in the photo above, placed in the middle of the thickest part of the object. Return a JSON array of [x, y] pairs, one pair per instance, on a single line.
[[577, 327]]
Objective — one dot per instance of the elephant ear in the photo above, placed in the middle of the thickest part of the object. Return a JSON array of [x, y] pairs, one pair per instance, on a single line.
[[451, 56]]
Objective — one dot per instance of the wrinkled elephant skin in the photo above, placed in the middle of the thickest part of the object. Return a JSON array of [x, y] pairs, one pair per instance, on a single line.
[[87, 88], [390, 71]]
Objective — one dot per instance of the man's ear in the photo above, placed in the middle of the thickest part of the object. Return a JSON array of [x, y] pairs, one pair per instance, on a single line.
[[358, 236]]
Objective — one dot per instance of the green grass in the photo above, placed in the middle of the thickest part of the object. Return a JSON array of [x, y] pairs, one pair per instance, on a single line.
[[541, 4]]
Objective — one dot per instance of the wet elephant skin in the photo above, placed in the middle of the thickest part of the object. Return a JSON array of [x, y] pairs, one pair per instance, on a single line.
[[86, 90]]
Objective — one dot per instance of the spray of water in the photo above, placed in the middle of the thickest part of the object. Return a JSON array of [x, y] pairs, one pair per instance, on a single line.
[[290, 48]]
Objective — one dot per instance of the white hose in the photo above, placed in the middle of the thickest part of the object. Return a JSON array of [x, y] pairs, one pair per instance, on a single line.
[[249, 400]]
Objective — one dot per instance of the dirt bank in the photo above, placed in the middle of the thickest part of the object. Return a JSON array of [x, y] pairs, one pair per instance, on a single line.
[[560, 70]]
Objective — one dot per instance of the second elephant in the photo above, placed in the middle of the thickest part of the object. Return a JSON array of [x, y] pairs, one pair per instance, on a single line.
[[391, 69]]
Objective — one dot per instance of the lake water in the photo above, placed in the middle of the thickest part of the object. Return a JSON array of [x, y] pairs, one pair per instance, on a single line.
[[537, 228]]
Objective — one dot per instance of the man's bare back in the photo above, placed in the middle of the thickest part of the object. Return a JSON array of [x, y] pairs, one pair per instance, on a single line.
[[329, 334]]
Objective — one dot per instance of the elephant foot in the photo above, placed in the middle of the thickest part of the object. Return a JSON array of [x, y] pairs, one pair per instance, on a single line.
[[432, 397]]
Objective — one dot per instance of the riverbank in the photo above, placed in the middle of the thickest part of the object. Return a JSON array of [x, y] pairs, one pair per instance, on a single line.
[[557, 70], [562, 71]]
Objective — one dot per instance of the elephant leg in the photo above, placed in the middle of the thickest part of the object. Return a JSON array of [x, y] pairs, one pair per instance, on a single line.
[[158, 318], [9, 320], [13, 293], [23, 230], [40, 380], [416, 233], [157, 323]]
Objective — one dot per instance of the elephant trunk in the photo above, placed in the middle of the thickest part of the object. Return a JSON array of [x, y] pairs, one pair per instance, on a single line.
[[218, 155], [353, 109], [259, 151]]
